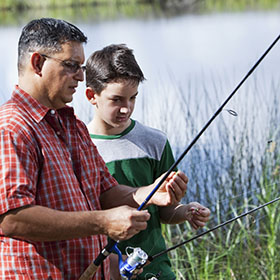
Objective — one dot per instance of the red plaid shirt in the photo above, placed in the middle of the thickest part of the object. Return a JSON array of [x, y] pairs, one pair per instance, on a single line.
[[48, 159]]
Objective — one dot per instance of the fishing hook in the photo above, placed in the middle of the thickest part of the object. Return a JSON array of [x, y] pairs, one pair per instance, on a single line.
[[107, 250]]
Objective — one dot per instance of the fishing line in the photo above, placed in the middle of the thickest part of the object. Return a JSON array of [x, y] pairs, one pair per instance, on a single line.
[[250, 221], [247, 224], [151, 258], [228, 246], [207, 124], [89, 272], [217, 251]]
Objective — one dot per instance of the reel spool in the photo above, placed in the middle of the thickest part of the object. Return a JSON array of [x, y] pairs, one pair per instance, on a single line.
[[135, 258]]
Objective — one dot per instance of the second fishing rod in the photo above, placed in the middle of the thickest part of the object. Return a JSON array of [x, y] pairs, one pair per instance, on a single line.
[[112, 244]]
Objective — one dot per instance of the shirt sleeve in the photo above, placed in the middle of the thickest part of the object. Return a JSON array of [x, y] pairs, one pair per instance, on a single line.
[[18, 171]]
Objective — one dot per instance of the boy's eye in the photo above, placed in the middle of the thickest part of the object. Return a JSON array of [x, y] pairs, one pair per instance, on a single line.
[[115, 99]]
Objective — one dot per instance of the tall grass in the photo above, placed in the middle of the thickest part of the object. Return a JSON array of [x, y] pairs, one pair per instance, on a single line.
[[17, 11], [234, 168]]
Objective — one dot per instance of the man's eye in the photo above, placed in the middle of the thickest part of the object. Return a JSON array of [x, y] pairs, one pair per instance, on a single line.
[[71, 65]]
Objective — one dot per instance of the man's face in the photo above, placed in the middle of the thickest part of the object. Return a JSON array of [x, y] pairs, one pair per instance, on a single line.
[[115, 104], [61, 73]]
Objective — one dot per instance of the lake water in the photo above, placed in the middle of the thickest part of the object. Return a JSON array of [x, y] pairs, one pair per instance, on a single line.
[[192, 60], [192, 63]]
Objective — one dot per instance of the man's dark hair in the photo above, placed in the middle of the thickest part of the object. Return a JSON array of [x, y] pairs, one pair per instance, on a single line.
[[112, 63], [46, 34]]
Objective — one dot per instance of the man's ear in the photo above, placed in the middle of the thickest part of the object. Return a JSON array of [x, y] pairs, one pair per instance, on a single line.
[[37, 62], [90, 94]]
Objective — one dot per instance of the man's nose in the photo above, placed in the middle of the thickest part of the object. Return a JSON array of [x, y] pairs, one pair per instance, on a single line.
[[79, 75]]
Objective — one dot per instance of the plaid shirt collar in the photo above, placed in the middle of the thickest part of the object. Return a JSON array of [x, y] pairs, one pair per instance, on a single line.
[[36, 110]]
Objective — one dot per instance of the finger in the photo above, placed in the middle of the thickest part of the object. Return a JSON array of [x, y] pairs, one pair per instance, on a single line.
[[172, 196], [139, 227], [134, 230], [183, 176], [205, 212], [182, 180], [143, 215], [195, 210], [193, 224], [200, 219], [200, 210], [129, 235], [197, 223], [178, 188]]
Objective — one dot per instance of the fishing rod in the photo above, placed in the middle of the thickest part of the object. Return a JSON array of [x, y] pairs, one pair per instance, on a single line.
[[146, 260], [151, 258], [112, 244]]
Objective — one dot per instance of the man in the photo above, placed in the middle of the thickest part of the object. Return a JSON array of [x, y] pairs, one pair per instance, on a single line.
[[57, 198]]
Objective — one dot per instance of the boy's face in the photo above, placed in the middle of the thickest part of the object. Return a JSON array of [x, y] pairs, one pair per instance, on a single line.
[[114, 105]]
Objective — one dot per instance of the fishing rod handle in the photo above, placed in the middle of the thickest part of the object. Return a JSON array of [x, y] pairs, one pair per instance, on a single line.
[[91, 269], [89, 272]]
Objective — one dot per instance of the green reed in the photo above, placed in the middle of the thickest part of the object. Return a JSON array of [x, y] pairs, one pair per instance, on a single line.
[[17, 11], [233, 168]]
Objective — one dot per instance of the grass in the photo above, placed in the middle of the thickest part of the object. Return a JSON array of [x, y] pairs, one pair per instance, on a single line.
[[235, 167], [17, 11]]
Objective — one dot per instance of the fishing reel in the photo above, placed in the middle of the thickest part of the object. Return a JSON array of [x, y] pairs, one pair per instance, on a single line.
[[134, 260], [153, 277]]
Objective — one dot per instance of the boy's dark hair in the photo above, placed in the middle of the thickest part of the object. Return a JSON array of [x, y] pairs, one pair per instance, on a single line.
[[47, 35], [112, 63]]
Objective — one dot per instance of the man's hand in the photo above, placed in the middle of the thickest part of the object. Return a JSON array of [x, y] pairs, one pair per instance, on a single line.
[[171, 191], [123, 222]]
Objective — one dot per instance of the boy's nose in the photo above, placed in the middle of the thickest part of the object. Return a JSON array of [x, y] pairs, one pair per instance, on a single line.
[[123, 110]]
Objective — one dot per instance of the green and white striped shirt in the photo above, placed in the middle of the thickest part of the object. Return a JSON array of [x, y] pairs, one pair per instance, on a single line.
[[137, 157]]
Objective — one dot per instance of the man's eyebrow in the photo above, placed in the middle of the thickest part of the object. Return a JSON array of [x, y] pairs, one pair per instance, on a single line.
[[72, 60]]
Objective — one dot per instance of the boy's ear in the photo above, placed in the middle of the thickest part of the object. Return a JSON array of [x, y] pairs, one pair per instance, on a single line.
[[90, 93]]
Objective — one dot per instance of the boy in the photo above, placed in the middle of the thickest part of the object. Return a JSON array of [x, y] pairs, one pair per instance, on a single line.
[[134, 154]]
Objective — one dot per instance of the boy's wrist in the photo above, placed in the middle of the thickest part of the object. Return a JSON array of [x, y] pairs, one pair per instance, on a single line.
[[141, 194]]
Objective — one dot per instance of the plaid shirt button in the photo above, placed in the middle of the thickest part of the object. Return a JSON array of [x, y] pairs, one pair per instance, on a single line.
[[64, 173]]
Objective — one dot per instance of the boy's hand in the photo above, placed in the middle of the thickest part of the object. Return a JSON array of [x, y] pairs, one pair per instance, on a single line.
[[197, 215], [172, 190]]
